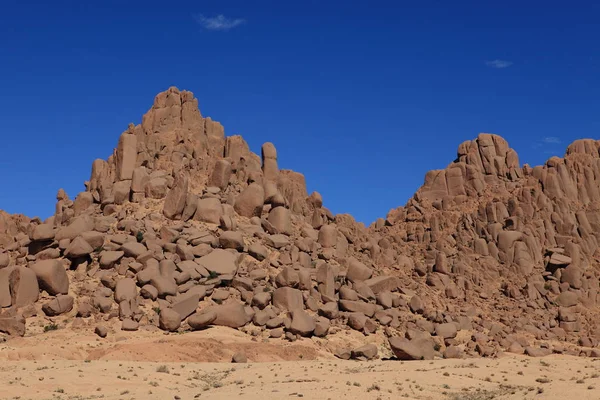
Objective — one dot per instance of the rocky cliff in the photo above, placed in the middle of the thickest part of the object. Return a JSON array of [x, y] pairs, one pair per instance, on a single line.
[[183, 227]]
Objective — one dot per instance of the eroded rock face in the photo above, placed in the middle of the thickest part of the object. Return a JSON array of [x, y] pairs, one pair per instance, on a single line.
[[183, 228]]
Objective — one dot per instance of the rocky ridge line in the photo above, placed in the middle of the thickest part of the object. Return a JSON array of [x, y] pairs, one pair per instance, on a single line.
[[182, 228]]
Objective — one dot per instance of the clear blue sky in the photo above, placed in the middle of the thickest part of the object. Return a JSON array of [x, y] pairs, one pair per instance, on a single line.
[[362, 97]]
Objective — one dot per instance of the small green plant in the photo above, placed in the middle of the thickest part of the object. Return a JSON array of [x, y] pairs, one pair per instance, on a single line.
[[156, 310], [50, 327], [139, 236], [437, 347], [547, 286], [213, 275]]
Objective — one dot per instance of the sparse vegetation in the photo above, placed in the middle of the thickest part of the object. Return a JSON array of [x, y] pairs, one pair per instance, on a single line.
[[50, 327], [163, 369]]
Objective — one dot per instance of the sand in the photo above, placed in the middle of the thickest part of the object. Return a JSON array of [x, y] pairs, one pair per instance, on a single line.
[[67, 364]]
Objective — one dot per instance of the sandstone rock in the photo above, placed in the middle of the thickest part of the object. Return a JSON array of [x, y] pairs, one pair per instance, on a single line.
[[221, 174], [133, 249], [43, 232], [209, 210], [126, 156], [186, 304], [109, 258], [202, 320], [59, 305], [4, 260], [537, 352], [232, 315], [405, 349], [129, 325], [446, 331], [357, 271], [258, 251], [286, 298], [176, 198], [13, 325], [302, 323], [101, 331], [221, 262], [52, 277], [232, 240], [78, 248], [239, 358], [280, 218], [169, 320], [366, 352], [249, 203], [125, 290]]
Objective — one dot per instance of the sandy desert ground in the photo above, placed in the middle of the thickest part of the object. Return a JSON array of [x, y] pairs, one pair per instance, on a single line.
[[65, 364]]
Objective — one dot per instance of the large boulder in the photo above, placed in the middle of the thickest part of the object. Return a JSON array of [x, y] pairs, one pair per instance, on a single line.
[[13, 325], [219, 261], [52, 276], [417, 349], [287, 298], [169, 320], [125, 290], [249, 203], [59, 305], [209, 210], [232, 315], [302, 323], [177, 196]]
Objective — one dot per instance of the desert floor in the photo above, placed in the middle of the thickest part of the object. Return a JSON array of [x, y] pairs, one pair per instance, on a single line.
[[65, 364]]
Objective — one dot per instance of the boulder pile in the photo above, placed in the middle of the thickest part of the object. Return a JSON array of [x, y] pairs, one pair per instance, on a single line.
[[183, 228]]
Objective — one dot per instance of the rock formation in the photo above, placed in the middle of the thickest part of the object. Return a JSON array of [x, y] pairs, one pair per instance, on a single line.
[[182, 228]]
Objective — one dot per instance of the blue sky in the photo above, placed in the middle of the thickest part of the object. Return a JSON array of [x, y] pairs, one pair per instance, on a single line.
[[362, 97]]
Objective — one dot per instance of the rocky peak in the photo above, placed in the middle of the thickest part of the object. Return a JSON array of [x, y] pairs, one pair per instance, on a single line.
[[190, 221]]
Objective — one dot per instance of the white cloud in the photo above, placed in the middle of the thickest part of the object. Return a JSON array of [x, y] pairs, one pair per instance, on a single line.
[[551, 140], [499, 64], [218, 23]]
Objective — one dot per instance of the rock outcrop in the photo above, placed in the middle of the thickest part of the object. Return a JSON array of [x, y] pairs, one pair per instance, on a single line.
[[182, 228]]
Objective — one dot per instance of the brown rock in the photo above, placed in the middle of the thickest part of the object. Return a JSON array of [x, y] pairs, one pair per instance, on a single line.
[[232, 315], [133, 249], [129, 325], [446, 331], [221, 262], [13, 326], [239, 358], [52, 276], [418, 349], [202, 320], [78, 248], [280, 219], [176, 198], [357, 271], [59, 305], [169, 320], [302, 323], [249, 203], [126, 156], [366, 352], [125, 290], [101, 331], [221, 174], [185, 305], [232, 240], [286, 298], [209, 210]]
